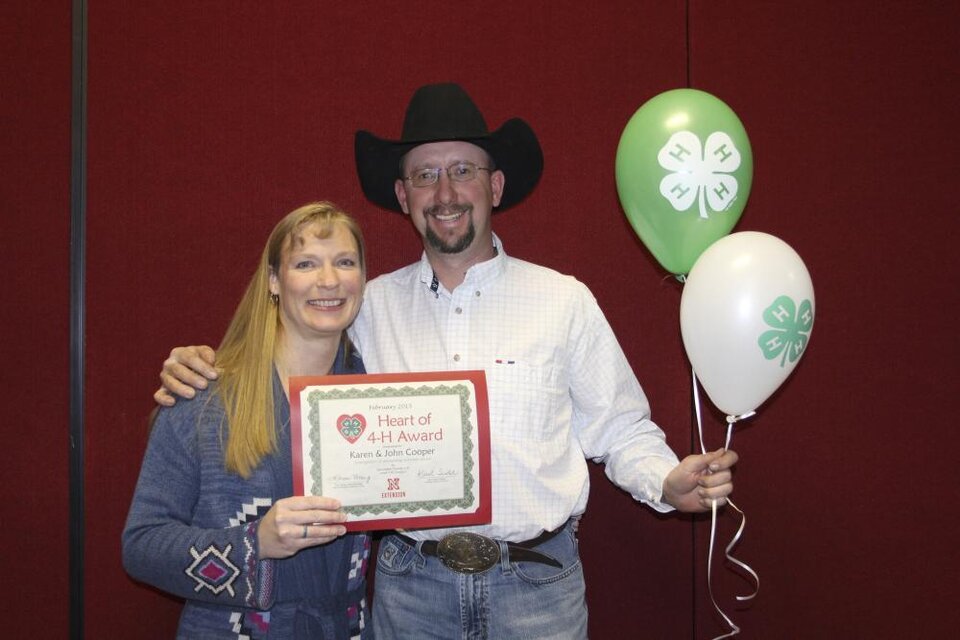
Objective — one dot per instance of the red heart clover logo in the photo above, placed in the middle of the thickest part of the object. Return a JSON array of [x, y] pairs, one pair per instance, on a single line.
[[351, 427]]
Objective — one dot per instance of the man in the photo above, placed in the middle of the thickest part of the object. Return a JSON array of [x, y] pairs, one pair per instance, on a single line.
[[559, 385]]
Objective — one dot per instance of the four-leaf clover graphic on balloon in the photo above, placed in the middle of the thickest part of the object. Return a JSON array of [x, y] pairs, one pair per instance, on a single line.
[[791, 327], [701, 173]]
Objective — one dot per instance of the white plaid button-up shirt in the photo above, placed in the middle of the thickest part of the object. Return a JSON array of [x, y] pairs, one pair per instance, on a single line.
[[560, 388]]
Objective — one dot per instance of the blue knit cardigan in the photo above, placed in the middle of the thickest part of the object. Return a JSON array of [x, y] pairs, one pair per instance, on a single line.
[[192, 531]]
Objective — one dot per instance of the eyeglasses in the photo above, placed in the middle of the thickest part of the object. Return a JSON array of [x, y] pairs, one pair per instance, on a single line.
[[458, 172]]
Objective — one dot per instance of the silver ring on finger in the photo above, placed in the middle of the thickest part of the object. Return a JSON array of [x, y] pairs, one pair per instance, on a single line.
[[304, 531]]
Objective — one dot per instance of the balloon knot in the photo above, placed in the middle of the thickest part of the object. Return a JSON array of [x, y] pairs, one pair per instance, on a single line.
[[742, 416]]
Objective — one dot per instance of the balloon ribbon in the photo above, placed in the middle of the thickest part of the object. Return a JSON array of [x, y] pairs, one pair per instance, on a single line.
[[731, 420]]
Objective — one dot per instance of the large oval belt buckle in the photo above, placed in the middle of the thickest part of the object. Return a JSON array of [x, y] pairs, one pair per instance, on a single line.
[[466, 552]]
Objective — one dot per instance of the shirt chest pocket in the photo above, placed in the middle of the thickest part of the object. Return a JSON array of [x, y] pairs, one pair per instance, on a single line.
[[526, 402]]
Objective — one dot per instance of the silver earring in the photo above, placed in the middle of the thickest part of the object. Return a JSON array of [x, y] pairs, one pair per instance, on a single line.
[[274, 299]]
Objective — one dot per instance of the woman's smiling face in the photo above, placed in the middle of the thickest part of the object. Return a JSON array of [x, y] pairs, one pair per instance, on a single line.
[[320, 283]]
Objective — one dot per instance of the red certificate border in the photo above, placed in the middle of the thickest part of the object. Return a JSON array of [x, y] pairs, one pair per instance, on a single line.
[[482, 515]]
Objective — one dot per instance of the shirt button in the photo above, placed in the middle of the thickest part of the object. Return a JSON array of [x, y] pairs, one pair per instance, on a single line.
[[477, 294], [456, 358], [458, 310]]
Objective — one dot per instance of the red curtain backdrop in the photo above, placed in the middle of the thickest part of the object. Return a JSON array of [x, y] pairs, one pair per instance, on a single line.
[[209, 121], [34, 318]]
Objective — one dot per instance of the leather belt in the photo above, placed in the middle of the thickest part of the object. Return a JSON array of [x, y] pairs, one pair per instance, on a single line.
[[467, 552]]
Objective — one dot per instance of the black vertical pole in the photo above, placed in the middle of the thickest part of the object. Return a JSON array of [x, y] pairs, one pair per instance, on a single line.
[[78, 206]]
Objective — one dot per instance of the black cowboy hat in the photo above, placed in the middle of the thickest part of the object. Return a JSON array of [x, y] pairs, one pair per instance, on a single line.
[[439, 112]]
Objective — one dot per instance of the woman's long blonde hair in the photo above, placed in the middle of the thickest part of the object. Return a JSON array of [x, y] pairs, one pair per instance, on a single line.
[[246, 353]]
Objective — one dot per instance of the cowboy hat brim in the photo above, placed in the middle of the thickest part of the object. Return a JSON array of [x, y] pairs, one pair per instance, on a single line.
[[513, 147]]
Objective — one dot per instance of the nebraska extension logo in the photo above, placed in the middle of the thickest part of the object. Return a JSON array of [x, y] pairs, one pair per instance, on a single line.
[[393, 489], [351, 427]]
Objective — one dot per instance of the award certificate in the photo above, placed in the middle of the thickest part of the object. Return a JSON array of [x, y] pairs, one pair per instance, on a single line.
[[407, 450]]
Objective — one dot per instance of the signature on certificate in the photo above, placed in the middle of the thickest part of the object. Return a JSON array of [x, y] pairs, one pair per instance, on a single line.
[[436, 472], [342, 481]]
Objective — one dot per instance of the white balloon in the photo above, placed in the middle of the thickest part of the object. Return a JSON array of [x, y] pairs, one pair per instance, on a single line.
[[746, 315]]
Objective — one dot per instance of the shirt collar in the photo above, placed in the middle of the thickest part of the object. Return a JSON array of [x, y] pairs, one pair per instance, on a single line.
[[478, 275]]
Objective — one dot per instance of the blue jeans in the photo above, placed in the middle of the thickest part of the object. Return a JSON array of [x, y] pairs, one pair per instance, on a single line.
[[415, 596]]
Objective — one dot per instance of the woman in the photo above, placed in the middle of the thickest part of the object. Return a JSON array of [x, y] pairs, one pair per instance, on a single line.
[[213, 519]]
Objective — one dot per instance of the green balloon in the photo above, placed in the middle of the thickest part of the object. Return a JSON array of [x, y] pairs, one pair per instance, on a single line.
[[684, 171]]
